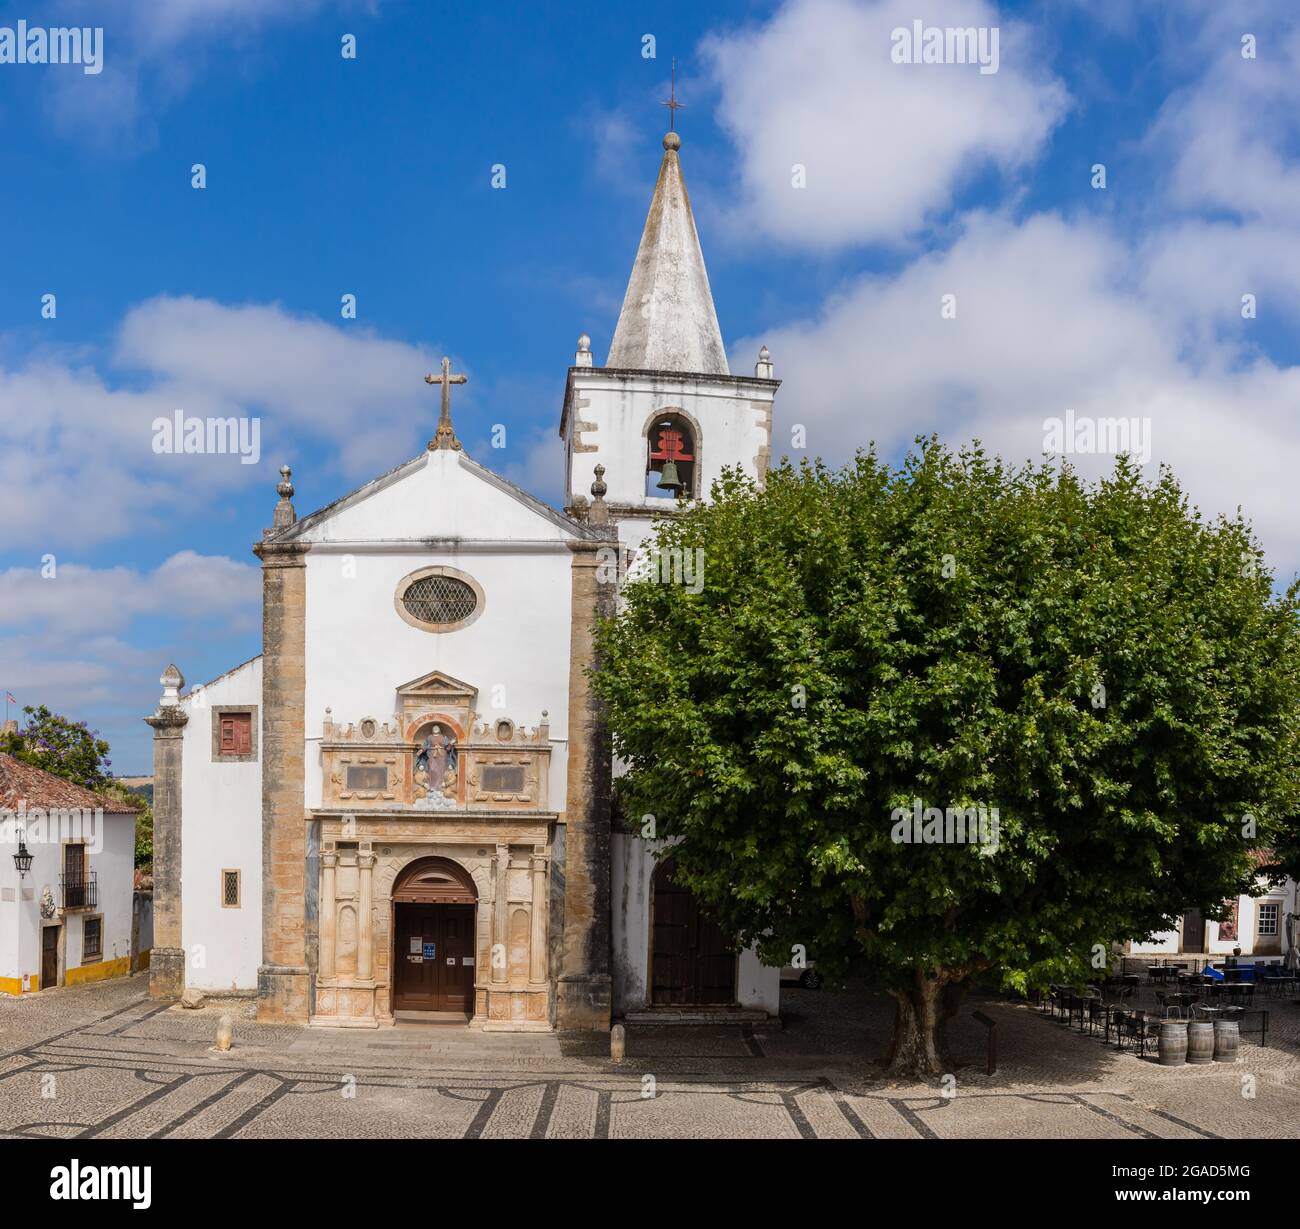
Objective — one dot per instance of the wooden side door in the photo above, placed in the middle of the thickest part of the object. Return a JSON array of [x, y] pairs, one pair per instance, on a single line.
[[49, 956], [455, 977], [415, 979], [692, 964], [1193, 931]]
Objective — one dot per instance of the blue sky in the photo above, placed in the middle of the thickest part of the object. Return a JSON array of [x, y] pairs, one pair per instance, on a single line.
[[372, 177]]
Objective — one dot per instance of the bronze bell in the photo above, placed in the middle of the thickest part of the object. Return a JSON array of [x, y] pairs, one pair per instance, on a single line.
[[668, 479]]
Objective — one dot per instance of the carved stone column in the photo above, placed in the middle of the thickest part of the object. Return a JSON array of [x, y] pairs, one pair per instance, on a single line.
[[537, 945], [365, 926], [328, 914], [283, 978], [167, 963], [583, 992], [500, 918]]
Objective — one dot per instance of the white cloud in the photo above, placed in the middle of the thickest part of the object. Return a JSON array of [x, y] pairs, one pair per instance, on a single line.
[[76, 599], [1051, 316], [71, 642], [153, 49], [1134, 312], [76, 449], [884, 145]]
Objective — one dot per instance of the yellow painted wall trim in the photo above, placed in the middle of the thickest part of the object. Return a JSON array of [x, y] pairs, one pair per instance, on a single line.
[[14, 985], [101, 970]]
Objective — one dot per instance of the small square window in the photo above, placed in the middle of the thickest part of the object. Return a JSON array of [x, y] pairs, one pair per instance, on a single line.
[[92, 938], [1266, 924], [234, 733], [230, 890]]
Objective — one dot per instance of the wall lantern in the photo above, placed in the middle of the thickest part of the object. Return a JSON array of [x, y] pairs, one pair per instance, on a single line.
[[22, 859]]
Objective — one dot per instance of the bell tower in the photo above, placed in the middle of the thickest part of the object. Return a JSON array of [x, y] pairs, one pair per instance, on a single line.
[[665, 415]]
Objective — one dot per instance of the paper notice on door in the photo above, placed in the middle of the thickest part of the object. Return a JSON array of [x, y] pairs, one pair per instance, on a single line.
[[415, 945], [467, 960], [451, 959]]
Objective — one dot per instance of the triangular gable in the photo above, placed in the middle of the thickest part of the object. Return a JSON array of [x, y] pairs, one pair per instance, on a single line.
[[443, 495], [437, 688]]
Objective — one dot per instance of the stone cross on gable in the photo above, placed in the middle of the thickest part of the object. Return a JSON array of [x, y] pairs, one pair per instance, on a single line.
[[445, 436]]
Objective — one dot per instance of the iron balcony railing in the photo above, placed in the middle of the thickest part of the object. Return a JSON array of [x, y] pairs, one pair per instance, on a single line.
[[80, 891]]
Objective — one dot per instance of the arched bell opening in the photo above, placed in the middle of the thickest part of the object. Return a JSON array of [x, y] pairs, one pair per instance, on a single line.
[[672, 456]]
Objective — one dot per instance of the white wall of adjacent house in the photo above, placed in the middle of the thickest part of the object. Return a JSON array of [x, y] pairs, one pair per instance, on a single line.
[[515, 651], [111, 856], [1260, 928], [221, 829]]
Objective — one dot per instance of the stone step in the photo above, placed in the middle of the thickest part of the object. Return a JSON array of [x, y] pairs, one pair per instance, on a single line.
[[701, 1015]]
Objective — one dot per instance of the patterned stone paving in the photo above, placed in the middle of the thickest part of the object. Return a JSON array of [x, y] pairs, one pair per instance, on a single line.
[[104, 1061]]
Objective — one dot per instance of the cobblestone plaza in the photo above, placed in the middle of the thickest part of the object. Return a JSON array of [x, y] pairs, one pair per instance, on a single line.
[[105, 1062]]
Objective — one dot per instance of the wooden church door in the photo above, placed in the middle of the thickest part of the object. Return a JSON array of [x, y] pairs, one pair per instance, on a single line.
[[692, 962]]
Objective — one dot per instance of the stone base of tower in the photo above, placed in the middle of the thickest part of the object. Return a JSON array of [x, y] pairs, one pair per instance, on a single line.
[[166, 973], [283, 994], [583, 1004]]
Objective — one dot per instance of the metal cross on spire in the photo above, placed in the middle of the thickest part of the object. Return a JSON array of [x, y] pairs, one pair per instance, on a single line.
[[445, 437], [672, 104]]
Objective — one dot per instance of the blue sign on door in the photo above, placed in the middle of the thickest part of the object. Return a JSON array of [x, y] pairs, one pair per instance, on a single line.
[[430, 951]]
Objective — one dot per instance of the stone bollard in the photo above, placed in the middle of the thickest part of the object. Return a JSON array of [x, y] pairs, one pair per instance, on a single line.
[[225, 1033], [617, 1043]]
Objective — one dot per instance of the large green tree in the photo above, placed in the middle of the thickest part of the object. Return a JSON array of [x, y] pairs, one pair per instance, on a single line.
[[1106, 669]]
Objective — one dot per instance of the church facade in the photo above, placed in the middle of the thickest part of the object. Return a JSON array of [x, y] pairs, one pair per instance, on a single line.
[[401, 809]]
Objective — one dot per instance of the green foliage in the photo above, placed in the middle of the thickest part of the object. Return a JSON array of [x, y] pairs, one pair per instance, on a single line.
[[944, 631], [66, 748]]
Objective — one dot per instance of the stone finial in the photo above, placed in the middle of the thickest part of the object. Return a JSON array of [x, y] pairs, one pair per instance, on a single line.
[[172, 681], [284, 513], [599, 513], [763, 368], [672, 141], [583, 357]]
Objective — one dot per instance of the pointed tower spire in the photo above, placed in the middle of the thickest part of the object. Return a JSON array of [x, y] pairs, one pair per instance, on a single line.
[[668, 322]]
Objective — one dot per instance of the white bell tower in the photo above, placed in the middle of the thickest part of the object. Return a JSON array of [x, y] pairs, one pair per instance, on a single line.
[[665, 413]]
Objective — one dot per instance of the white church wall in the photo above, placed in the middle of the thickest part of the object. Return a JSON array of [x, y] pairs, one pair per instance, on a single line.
[[758, 985], [221, 829], [516, 652], [442, 495], [631, 874]]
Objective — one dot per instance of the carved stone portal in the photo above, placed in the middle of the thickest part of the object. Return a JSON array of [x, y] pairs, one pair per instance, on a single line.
[[435, 780]]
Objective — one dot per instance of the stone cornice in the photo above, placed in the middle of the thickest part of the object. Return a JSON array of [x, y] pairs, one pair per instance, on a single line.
[[281, 554]]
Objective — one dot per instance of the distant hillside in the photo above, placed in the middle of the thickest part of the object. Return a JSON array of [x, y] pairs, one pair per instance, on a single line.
[[143, 786]]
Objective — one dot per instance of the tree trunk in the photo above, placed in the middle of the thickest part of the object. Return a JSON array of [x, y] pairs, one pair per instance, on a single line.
[[920, 1017]]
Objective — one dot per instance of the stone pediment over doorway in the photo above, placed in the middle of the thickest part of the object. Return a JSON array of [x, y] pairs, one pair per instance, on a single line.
[[436, 690]]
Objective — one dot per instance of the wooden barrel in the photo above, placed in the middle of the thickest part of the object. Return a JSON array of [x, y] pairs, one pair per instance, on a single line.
[[1200, 1042], [1172, 1045], [1227, 1038]]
